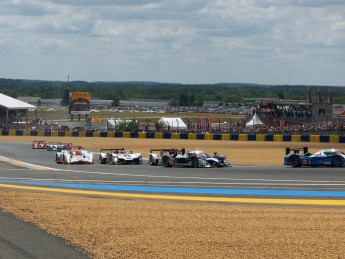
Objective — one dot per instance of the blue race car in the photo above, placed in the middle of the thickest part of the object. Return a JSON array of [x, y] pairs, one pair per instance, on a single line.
[[326, 157]]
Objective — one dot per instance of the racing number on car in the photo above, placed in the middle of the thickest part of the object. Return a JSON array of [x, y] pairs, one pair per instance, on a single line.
[[305, 162]]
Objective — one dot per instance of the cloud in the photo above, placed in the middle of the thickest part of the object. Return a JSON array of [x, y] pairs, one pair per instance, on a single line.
[[195, 41]]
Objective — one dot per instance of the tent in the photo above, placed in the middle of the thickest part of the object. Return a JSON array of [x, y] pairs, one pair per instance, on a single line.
[[173, 123], [254, 122]]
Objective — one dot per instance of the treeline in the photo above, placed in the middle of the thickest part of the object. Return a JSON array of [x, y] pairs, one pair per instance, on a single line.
[[179, 94]]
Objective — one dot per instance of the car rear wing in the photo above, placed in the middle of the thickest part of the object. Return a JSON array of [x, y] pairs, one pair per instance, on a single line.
[[296, 150], [167, 150], [111, 150]]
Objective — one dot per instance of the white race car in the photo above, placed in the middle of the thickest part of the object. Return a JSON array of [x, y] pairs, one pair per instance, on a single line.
[[74, 156], [119, 156]]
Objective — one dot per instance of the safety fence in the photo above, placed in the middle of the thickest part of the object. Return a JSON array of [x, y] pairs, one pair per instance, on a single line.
[[197, 136]]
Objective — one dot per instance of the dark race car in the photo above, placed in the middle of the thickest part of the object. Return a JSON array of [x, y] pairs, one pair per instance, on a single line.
[[326, 157], [196, 158]]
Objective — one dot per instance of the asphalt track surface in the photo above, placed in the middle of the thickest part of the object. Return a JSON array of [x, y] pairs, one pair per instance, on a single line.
[[235, 184], [319, 186]]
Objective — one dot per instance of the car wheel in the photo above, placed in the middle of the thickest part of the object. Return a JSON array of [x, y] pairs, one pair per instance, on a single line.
[[166, 162], [138, 161], [294, 161], [219, 164], [337, 161], [151, 160], [102, 160], [195, 162]]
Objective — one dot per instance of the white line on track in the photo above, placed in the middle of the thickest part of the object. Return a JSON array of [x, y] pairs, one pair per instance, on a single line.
[[200, 178]]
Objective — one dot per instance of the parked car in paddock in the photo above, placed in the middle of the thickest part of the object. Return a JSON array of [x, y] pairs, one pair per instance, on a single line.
[[74, 156], [119, 156], [326, 157], [55, 146], [39, 144], [195, 158]]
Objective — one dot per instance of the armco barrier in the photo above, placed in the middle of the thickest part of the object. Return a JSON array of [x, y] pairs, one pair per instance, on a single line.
[[269, 137], [184, 136], [200, 136], [158, 135], [217, 136], [191, 136], [305, 138], [250, 137], [167, 135], [234, 137], [181, 136]]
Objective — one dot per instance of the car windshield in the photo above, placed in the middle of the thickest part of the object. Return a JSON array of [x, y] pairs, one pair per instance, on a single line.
[[204, 155], [329, 152], [75, 153]]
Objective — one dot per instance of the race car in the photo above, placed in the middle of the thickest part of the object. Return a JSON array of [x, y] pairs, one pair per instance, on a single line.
[[74, 156], [156, 159], [55, 146], [39, 144], [196, 158], [119, 156], [326, 157]]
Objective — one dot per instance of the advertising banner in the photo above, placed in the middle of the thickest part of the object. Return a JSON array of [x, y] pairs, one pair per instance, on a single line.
[[338, 110], [80, 103]]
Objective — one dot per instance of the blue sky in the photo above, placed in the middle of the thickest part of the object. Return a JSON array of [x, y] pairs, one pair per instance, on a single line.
[[194, 41]]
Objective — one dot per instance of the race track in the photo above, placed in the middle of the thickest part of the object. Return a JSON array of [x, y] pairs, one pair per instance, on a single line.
[[239, 184]]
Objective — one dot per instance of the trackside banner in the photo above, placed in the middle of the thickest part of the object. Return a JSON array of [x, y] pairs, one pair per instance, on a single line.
[[80, 103], [338, 110]]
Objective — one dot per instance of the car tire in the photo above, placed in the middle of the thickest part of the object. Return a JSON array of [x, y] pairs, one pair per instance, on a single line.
[[195, 162], [151, 160], [294, 161], [220, 165], [166, 162], [337, 161], [138, 161], [102, 160]]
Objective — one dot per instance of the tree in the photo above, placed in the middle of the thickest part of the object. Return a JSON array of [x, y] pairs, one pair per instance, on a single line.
[[115, 102], [65, 98], [160, 126], [173, 103], [126, 125], [281, 95], [192, 100]]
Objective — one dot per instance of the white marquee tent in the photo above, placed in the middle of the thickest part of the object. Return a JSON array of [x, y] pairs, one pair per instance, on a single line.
[[174, 123], [254, 122]]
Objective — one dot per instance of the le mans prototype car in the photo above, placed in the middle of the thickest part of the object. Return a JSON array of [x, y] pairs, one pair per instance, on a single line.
[[74, 156], [119, 156], [39, 144], [55, 146], [196, 158], [326, 157]]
